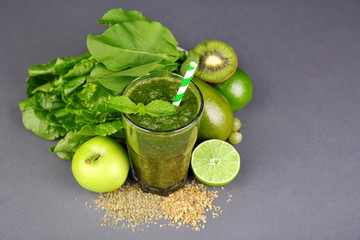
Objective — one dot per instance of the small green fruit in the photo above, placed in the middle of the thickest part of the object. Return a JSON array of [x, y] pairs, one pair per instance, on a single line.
[[236, 124], [235, 137], [238, 89]]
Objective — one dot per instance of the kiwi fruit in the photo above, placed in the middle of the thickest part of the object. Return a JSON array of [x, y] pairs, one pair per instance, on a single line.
[[217, 62]]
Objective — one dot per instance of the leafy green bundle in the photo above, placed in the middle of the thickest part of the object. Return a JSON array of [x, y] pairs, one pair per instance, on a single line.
[[67, 96]]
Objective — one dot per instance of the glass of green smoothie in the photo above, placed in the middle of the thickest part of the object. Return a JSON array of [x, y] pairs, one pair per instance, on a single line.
[[160, 147]]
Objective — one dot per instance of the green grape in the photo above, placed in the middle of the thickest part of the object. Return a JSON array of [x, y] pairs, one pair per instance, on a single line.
[[235, 137], [236, 124]]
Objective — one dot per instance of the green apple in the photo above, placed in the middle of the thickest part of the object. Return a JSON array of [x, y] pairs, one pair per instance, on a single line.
[[100, 165]]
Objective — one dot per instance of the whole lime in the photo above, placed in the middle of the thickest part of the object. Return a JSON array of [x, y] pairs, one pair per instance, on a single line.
[[217, 118], [238, 89]]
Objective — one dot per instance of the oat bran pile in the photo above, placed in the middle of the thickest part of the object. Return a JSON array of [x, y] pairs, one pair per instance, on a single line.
[[130, 207]]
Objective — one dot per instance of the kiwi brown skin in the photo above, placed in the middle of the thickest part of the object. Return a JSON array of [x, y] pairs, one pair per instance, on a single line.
[[227, 77], [222, 79]]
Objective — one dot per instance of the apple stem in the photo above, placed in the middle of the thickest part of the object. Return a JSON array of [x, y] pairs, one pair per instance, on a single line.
[[93, 158]]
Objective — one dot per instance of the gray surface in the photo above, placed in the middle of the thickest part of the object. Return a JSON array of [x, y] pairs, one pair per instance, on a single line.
[[300, 174]]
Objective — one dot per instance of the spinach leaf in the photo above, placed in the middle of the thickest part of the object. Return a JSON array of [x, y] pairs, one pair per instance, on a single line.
[[130, 44], [117, 80], [118, 15]]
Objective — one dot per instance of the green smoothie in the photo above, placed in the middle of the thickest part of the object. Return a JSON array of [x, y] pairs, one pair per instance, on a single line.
[[163, 89], [160, 147]]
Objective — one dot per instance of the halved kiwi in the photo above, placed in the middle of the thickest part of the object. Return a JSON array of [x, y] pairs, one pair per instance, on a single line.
[[217, 63]]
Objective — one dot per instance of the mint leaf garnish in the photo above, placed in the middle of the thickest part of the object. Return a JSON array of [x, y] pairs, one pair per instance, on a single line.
[[141, 108], [123, 104], [155, 108], [159, 108]]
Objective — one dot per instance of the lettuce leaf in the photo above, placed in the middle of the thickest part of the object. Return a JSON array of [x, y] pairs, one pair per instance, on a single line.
[[57, 66], [39, 120], [73, 139]]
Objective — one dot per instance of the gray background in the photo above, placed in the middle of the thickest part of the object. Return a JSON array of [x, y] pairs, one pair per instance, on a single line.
[[300, 172]]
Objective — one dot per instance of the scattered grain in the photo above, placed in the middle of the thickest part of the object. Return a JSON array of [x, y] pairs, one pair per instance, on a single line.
[[130, 204], [188, 205], [130, 207]]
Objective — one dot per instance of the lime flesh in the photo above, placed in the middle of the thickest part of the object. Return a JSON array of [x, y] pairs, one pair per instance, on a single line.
[[215, 162]]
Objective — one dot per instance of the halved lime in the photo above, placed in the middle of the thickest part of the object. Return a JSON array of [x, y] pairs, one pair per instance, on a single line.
[[215, 162]]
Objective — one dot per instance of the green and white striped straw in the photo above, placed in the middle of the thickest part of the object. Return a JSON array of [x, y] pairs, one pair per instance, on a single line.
[[185, 83]]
